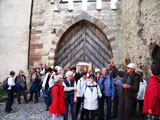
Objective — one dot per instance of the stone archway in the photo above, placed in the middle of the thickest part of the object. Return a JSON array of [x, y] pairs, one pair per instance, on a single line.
[[60, 32], [85, 42]]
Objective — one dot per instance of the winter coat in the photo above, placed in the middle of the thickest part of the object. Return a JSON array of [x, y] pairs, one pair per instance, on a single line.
[[58, 101], [91, 96], [152, 96], [80, 85], [142, 88], [36, 82], [51, 80], [134, 80], [76, 77], [109, 86], [20, 82]]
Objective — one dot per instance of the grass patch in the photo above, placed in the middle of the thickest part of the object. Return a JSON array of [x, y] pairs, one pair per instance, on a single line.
[[3, 92]]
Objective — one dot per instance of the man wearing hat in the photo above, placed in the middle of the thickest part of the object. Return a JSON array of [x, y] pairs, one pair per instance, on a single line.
[[128, 91], [21, 86]]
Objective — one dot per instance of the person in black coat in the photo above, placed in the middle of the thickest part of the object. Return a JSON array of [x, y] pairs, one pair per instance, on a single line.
[[76, 75]]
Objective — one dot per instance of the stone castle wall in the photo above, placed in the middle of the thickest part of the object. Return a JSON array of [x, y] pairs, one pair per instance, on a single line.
[[45, 22], [132, 31], [141, 30], [14, 36]]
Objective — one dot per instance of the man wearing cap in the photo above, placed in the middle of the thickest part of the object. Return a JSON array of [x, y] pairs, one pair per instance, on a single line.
[[128, 91], [21, 86]]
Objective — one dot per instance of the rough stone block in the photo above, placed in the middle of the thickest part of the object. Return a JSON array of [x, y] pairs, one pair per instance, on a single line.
[[35, 24], [36, 46], [35, 58], [36, 31], [112, 39]]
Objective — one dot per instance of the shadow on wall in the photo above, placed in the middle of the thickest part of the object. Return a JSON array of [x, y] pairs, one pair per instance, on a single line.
[[155, 53]]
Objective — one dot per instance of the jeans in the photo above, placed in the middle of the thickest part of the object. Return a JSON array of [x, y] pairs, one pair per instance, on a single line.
[[9, 100], [24, 95], [109, 113], [73, 109], [57, 118], [31, 96], [101, 108]]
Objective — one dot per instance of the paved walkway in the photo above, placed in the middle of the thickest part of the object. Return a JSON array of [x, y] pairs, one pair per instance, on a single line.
[[23, 111], [29, 111]]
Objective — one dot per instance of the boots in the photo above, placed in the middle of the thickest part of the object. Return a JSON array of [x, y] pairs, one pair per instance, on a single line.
[[19, 99]]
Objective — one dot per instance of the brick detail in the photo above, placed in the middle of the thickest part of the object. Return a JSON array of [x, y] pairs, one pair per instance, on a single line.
[[52, 50], [36, 46], [35, 24], [75, 19], [102, 27], [69, 23], [36, 31], [51, 58], [53, 42], [34, 39], [112, 39], [60, 33], [34, 58]]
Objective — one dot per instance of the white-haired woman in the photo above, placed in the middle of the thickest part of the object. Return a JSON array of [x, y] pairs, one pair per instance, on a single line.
[[57, 107], [70, 95]]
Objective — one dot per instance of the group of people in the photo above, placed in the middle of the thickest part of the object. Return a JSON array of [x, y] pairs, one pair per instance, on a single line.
[[88, 93]]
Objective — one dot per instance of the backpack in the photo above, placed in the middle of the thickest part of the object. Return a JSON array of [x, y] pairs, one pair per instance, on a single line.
[[5, 84], [90, 86], [51, 95]]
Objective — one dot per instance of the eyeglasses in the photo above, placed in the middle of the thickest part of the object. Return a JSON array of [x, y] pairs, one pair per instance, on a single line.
[[91, 78]]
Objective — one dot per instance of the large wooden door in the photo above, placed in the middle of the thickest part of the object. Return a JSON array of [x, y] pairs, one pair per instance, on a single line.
[[83, 42]]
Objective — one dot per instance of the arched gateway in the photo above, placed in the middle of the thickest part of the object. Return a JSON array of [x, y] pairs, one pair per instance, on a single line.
[[83, 42]]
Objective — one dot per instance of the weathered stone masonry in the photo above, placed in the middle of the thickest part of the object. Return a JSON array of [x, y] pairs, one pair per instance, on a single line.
[[49, 26], [133, 31], [141, 31]]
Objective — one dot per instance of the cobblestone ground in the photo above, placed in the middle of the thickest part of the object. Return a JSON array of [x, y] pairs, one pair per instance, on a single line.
[[31, 111], [23, 111]]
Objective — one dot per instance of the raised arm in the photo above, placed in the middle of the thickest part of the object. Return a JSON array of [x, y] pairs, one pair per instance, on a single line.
[[120, 73]]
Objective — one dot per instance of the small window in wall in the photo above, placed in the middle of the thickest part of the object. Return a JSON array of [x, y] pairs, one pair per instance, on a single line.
[[156, 54]]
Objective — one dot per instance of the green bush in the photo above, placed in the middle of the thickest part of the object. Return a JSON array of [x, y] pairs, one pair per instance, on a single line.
[[3, 92]]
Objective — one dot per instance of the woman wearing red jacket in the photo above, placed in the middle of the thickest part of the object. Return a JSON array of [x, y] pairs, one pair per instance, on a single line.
[[57, 108], [152, 95]]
